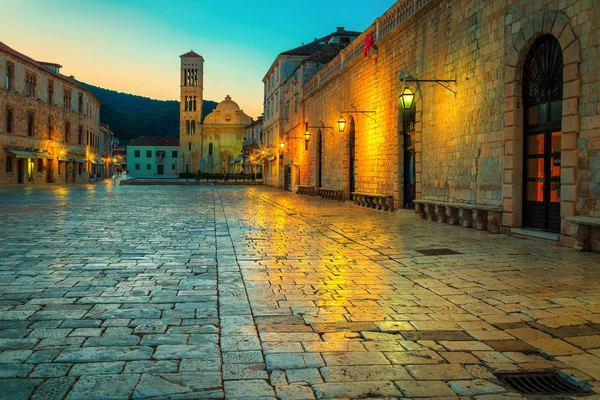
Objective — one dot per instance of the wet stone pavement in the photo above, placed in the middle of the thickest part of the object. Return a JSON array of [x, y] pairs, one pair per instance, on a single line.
[[188, 292]]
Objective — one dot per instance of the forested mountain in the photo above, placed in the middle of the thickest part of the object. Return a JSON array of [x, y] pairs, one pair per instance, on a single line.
[[130, 116]]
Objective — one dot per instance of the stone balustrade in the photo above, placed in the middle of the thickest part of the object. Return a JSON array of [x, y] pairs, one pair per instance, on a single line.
[[331, 194], [374, 200], [306, 190], [481, 217]]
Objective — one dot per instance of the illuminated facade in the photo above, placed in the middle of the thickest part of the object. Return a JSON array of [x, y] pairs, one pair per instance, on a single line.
[[278, 103], [49, 125], [493, 136]]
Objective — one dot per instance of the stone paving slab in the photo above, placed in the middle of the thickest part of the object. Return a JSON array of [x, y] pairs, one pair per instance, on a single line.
[[206, 292]]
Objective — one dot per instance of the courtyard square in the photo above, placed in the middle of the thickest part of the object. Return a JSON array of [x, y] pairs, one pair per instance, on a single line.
[[191, 292]]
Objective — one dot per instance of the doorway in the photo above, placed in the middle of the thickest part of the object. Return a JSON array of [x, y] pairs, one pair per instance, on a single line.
[[287, 178], [542, 101], [160, 169], [20, 170], [319, 159], [408, 131], [49, 177], [352, 157]]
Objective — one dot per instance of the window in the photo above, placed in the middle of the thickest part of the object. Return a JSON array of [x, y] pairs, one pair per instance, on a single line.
[[30, 125], [80, 136], [40, 164], [174, 154], [136, 153], [9, 120], [49, 126], [186, 103], [172, 166], [210, 149], [189, 146], [50, 91], [137, 167], [189, 127], [80, 103], [67, 131], [80, 168], [193, 127], [67, 98], [286, 110], [148, 166], [10, 75], [30, 83], [194, 103], [148, 153], [9, 164]]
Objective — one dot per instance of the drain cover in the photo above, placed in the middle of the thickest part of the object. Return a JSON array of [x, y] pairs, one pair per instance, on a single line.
[[437, 252], [547, 383]]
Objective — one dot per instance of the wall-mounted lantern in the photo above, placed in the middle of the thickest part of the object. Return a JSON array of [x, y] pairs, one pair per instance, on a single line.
[[306, 133], [407, 99], [341, 123]]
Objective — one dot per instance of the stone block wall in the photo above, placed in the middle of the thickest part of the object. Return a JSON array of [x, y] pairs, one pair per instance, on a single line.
[[469, 146]]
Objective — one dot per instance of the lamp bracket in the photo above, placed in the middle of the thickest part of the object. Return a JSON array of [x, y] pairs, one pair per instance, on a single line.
[[366, 112], [440, 82], [321, 127]]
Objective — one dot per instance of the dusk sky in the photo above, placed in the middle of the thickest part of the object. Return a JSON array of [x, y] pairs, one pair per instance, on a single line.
[[134, 45]]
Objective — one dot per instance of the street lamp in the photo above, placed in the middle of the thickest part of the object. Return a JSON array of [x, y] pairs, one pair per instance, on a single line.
[[306, 134], [282, 145], [407, 98], [341, 123]]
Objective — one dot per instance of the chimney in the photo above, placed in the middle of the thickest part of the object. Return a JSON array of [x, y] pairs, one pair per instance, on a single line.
[[340, 29]]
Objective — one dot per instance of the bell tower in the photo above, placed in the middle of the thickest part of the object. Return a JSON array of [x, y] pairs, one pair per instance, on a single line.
[[190, 111]]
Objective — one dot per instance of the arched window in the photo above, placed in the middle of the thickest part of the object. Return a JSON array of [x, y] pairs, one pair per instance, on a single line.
[[186, 103], [10, 73], [193, 127], [67, 131], [194, 103], [210, 149], [80, 138], [188, 127]]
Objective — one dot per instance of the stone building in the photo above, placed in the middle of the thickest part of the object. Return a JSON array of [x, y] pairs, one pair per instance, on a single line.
[[213, 144], [275, 111], [49, 125], [153, 157], [506, 111]]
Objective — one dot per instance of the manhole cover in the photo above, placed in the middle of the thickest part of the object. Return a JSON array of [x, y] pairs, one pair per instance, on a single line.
[[437, 252], [546, 383]]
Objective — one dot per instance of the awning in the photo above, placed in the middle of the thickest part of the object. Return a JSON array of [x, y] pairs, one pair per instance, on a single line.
[[65, 159], [21, 153], [44, 156], [94, 161], [80, 160], [99, 161]]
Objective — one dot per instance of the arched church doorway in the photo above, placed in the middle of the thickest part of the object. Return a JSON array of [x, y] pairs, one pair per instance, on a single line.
[[542, 102]]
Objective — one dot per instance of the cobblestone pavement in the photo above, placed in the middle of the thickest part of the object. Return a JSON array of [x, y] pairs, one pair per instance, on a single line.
[[189, 292]]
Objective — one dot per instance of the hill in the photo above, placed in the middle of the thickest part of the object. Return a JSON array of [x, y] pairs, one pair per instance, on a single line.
[[130, 116]]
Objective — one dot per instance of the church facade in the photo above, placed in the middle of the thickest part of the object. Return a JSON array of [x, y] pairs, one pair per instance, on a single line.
[[213, 144]]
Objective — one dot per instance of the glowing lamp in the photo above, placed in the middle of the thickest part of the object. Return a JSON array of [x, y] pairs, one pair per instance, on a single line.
[[341, 123], [307, 134], [407, 98], [282, 145]]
